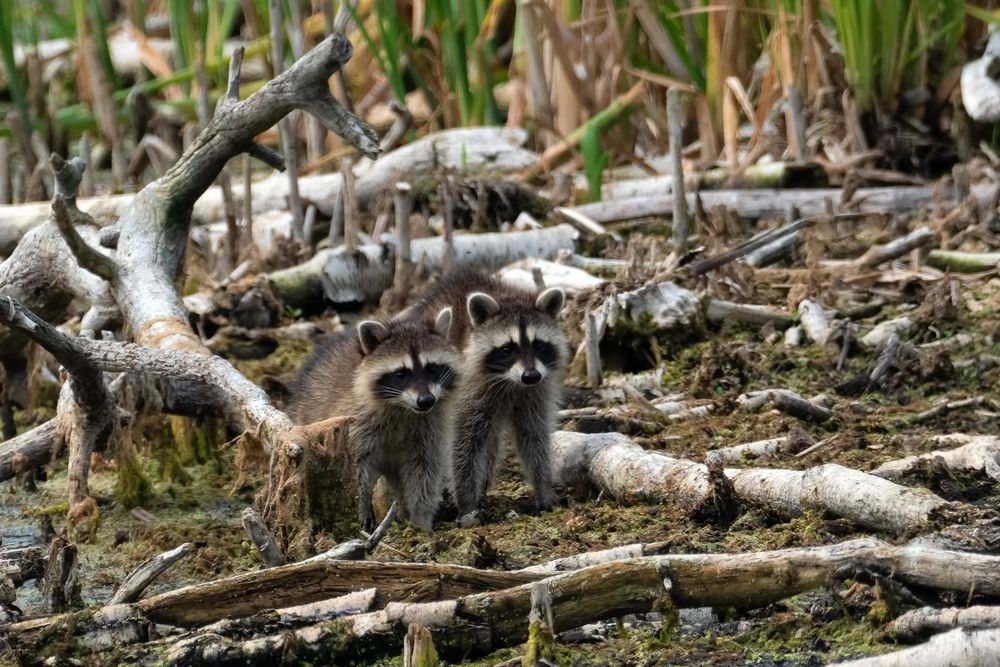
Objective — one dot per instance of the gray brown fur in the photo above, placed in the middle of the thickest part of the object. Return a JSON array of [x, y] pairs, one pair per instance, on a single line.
[[493, 398], [388, 435]]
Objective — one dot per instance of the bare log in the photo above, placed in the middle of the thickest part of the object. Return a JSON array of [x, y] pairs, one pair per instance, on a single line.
[[957, 647], [481, 623], [920, 623], [615, 464], [141, 577], [978, 454], [774, 203], [362, 276], [870, 501]]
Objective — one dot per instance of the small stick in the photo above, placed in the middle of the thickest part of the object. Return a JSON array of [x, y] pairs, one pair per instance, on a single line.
[[675, 129], [878, 254], [373, 540], [5, 184], [797, 131], [403, 203], [593, 343], [141, 577], [87, 185], [247, 197], [262, 538], [287, 136], [350, 206], [309, 226]]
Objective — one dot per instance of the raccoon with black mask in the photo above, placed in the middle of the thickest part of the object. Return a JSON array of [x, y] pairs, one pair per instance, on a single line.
[[397, 382], [514, 353]]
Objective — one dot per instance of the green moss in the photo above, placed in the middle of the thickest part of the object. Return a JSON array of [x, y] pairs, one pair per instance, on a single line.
[[133, 488], [540, 646]]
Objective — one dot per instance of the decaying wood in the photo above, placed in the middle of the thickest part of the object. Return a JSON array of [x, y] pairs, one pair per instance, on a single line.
[[344, 277], [878, 254], [977, 454], [957, 647], [616, 465], [775, 204], [21, 564], [788, 402], [141, 577], [920, 623], [262, 539], [61, 584], [867, 500], [483, 622], [786, 445]]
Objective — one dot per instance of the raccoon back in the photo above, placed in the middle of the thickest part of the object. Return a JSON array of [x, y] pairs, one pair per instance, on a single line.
[[324, 384]]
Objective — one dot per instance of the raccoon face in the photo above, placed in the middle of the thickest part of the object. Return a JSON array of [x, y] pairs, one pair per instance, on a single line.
[[407, 364], [520, 344]]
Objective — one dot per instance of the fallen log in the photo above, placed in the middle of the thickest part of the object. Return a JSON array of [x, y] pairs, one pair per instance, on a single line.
[[867, 500], [775, 204], [958, 647], [343, 277], [496, 150], [920, 623], [615, 464], [786, 445], [481, 623], [979, 454]]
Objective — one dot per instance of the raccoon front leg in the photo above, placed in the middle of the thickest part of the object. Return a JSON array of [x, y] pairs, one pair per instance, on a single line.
[[477, 442], [533, 425], [422, 483]]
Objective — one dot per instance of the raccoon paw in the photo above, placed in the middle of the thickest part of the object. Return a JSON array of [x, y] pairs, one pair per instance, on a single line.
[[424, 523], [367, 522], [546, 501]]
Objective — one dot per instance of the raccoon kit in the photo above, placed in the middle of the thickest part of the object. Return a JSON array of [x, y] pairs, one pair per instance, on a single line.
[[514, 353], [396, 381]]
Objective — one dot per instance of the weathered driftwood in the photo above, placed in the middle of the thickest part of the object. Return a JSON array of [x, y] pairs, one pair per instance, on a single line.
[[870, 501], [727, 311], [141, 577], [262, 538], [920, 623], [786, 445], [957, 647], [788, 402], [497, 150], [770, 203], [978, 454], [21, 564], [615, 464], [878, 254], [815, 321], [880, 333], [483, 622], [343, 277]]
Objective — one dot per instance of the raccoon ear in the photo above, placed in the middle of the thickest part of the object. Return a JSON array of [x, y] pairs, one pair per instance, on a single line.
[[371, 334], [551, 301], [443, 323], [481, 307]]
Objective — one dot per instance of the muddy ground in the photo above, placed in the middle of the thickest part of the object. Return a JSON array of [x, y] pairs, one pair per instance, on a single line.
[[189, 489]]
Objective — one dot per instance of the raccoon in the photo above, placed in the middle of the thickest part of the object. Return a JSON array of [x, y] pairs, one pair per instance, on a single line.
[[514, 353], [396, 380]]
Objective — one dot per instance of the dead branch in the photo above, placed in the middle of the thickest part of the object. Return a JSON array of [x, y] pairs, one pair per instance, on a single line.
[[788, 402], [978, 454], [135, 583], [878, 254], [786, 445], [920, 623]]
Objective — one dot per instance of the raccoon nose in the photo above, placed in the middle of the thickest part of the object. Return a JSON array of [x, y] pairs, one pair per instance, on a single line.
[[531, 376], [425, 402]]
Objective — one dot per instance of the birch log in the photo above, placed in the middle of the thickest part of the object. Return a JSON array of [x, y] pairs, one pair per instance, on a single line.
[[920, 623], [979, 454], [870, 501], [950, 649]]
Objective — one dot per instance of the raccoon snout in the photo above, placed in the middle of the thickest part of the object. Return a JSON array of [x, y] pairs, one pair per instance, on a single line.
[[425, 402], [531, 376]]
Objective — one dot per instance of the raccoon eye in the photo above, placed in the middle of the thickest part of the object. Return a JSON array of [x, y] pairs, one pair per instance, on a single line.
[[508, 348], [400, 373], [435, 371]]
